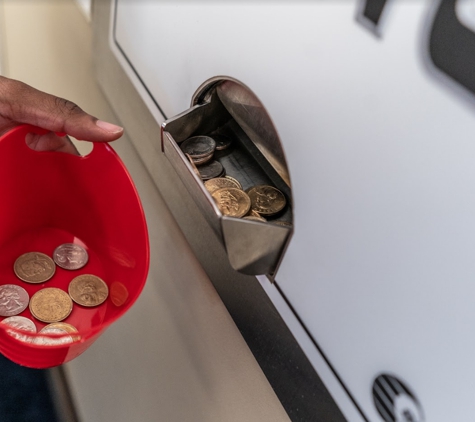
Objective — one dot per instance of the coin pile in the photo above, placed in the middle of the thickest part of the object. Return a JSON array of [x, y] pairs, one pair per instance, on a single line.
[[255, 204], [50, 305]]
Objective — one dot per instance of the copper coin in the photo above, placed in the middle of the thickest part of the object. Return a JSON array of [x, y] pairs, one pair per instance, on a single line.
[[252, 218], [34, 267], [266, 200], [51, 305], [70, 256], [234, 180], [211, 170], [198, 146], [232, 202], [220, 182], [88, 290], [13, 300]]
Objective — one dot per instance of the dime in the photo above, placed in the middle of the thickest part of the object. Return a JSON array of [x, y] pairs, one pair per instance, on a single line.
[[70, 256], [222, 142], [266, 200], [220, 182], [234, 180], [61, 336], [88, 290], [20, 323], [211, 170], [13, 300], [50, 305], [232, 202], [34, 267], [198, 146]]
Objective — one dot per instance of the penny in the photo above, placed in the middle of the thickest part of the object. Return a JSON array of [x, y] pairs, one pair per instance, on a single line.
[[266, 200], [211, 170], [220, 182], [50, 305], [88, 290], [234, 180], [198, 146], [232, 202], [20, 323], [222, 142], [13, 300], [34, 267], [70, 256], [58, 336]]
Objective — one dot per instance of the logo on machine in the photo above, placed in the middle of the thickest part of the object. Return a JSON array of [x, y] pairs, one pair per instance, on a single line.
[[394, 401]]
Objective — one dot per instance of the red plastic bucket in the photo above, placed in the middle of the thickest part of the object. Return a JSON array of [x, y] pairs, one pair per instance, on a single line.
[[52, 198]]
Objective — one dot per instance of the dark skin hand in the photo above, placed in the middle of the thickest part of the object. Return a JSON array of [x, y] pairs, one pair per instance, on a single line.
[[21, 103]]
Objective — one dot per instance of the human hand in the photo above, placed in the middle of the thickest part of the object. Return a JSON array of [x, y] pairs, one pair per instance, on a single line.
[[21, 103]]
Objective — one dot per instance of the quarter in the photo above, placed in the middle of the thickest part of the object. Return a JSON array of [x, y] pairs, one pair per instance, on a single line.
[[34, 267], [50, 305], [88, 290], [20, 323], [70, 256], [13, 300], [266, 200], [232, 202]]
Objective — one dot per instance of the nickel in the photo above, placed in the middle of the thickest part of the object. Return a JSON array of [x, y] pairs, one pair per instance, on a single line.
[[34, 267]]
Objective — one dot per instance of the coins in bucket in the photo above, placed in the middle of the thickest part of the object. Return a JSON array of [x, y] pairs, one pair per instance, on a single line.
[[50, 305]]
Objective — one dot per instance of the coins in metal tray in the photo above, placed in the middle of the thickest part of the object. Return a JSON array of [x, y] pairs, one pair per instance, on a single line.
[[34, 267], [211, 170], [232, 202], [198, 147], [70, 256], [266, 200], [50, 305], [221, 182], [88, 290], [222, 142], [20, 323], [13, 300]]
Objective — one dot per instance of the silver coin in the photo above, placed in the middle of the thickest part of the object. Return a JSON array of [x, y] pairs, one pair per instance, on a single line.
[[13, 300], [20, 323], [222, 142], [211, 170], [201, 161], [198, 146], [70, 256], [53, 341]]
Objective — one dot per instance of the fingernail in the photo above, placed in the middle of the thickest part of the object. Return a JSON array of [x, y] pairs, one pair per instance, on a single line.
[[108, 127]]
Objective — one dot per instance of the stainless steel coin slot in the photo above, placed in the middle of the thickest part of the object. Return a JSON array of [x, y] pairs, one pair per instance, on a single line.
[[245, 149]]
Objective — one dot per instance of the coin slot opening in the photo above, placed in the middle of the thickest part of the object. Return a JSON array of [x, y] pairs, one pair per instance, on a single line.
[[225, 109]]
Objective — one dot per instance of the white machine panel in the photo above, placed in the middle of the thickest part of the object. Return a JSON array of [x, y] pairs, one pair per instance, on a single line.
[[379, 141]]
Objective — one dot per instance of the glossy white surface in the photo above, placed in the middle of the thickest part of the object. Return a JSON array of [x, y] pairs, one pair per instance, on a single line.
[[380, 154]]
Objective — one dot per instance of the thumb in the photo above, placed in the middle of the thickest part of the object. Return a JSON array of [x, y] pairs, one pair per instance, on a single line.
[[22, 103]]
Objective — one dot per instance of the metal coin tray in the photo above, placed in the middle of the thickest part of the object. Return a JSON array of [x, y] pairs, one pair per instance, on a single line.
[[226, 107]]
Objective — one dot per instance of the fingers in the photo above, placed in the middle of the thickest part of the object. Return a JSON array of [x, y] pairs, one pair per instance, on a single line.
[[50, 142], [22, 103]]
